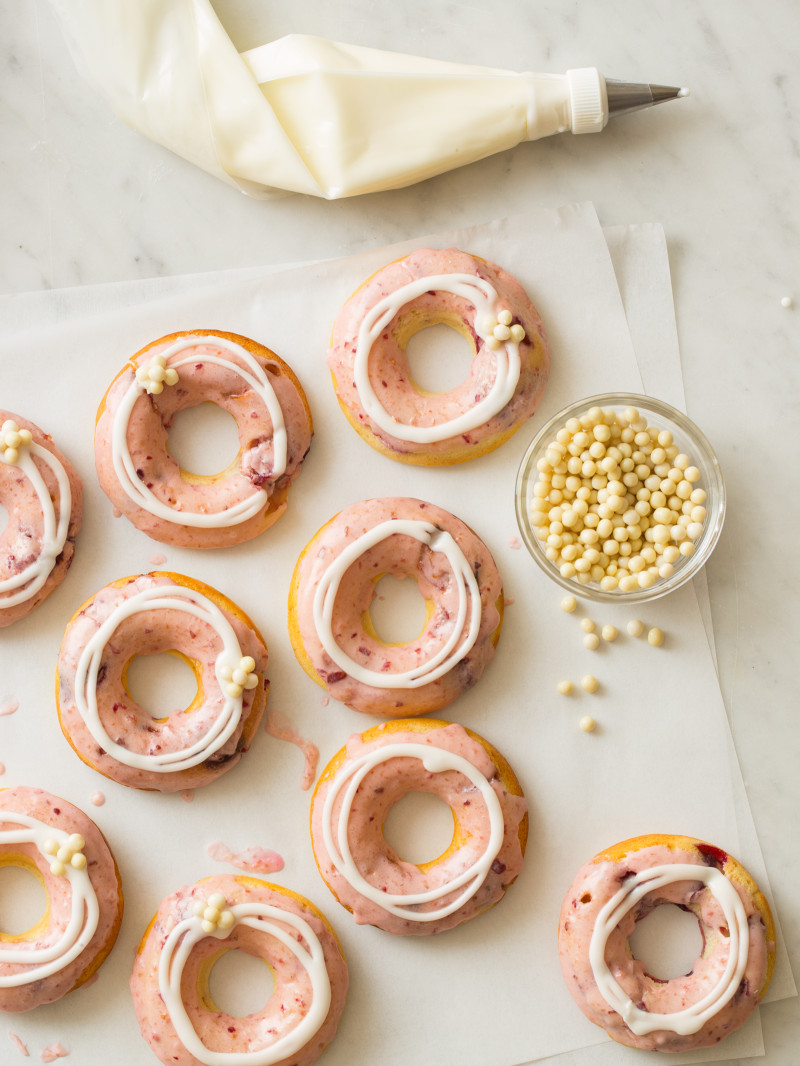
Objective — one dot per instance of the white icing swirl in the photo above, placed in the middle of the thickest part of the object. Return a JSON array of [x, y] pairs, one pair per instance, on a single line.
[[435, 760], [84, 915], [161, 597], [484, 298], [267, 919], [469, 601], [692, 1018], [27, 582], [256, 378]]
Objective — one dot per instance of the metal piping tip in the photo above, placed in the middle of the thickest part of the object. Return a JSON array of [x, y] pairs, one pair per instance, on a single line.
[[625, 96]]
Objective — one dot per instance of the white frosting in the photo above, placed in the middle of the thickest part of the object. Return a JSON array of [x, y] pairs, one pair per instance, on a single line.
[[161, 597], [435, 760], [27, 582], [692, 1018], [255, 376], [42, 962], [469, 601], [484, 297], [271, 921]]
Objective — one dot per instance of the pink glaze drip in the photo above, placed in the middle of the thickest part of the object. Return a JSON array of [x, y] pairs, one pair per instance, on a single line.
[[187, 795], [515, 543], [18, 1044], [252, 860], [8, 707], [157, 560], [97, 799], [280, 727], [53, 1052], [2, 768]]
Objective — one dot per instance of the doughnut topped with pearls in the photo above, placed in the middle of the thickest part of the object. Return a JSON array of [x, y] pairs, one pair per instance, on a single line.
[[67, 854], [370, 367], [621, 885], [148, 615], [201, 922], [44, 499], [147, 485], [334, 584]]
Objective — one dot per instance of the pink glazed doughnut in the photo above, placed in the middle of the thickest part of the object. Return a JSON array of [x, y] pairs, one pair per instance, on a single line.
[[185, 369], [371, 373], [365, 779], [334, 584], [623, 884], [43, 497], [148, 615], [68, 855], [198, 924]]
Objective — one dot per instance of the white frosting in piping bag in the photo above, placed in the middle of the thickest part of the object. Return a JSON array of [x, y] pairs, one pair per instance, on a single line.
[[484, 297], [269, 920], [161, 597], [85, 911], [255, 377], [469, 605], [435, 760], [692, 1018], [22, 586]]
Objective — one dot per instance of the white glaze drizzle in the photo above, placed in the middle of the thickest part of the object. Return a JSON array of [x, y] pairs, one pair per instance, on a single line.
[[692, 1018], [54, 527], [143, 497], [269, 920], [435, 760], [84, 915], [450, 653], [161, 597], [484, 298]]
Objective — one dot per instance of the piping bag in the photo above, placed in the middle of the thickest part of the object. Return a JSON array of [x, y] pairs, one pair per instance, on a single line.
[[313, 116]]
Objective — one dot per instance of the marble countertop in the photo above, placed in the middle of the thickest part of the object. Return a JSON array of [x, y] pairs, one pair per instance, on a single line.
[[85, 201]]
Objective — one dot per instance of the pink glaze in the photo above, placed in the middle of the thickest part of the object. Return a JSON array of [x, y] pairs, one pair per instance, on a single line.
[[53, 1052], [217, 1030], [252, 860], [389, 370], [150, 633], [598, 881], [187, 795], [97, 799], [400, 556], [157, 559], [387, 783], [59, 814], [18, 1044], [149, 426], [9, 707], [281, 727], [21, 540]]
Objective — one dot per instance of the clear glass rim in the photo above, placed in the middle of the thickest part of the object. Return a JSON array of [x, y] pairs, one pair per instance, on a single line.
[[714, 486]]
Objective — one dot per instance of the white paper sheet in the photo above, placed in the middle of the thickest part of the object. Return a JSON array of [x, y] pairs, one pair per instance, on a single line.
[[659, 760]]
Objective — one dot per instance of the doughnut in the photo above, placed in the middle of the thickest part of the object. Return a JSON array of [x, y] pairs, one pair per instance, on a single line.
[[198, 924], [69, 857], [182, 370], [147, 615], [371, 373], [623, 884], [334, 584], [44, 499], [376, 769]]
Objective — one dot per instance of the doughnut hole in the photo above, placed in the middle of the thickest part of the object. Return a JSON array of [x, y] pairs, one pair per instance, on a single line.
[[419, 827], [667, 941], [25, 908], [162, 682], [398, 612], [438, 353], [236, 983], [204, 441]]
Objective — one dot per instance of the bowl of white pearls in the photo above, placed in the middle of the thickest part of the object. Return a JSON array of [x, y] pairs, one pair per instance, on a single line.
[[620, 498]]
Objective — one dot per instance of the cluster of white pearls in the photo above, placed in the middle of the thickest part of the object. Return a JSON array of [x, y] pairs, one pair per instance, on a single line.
[[11, 440], [238, 678], [68, 854], [615, 502], [499, 330], [214, 913], [153, 376]]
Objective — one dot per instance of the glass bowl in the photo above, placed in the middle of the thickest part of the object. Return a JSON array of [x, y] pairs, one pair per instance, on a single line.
[[706, 475]]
